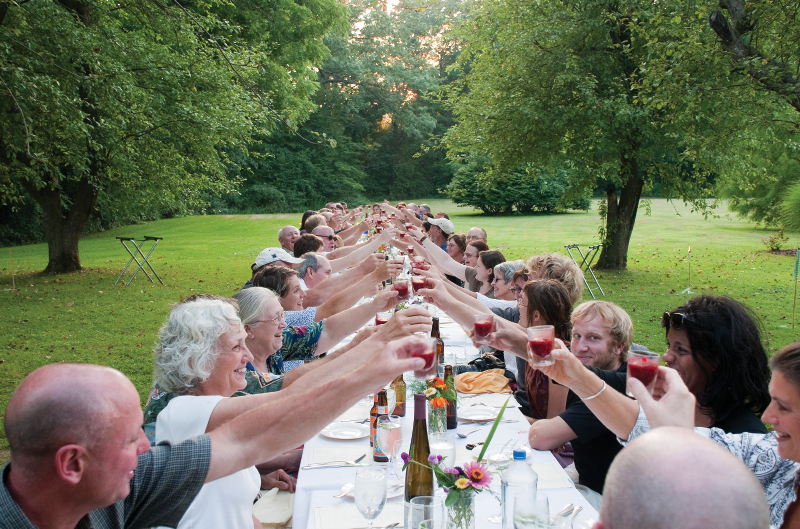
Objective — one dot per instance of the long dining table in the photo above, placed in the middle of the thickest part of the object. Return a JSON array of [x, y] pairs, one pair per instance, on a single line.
[[317, 507]]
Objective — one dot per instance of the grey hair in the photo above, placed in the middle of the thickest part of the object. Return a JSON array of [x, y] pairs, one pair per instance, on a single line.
[[252, 302], [188, 343], [309, 261], [280, 233], [506, 269]]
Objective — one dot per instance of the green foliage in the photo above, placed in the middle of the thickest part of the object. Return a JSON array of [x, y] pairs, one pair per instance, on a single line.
[[525, 190], [776, 241], [790, 208]]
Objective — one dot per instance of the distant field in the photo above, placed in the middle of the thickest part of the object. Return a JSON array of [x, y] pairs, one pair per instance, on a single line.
[[84, 317]]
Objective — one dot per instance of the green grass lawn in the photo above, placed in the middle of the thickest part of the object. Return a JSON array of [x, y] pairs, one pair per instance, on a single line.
[[84, 317]]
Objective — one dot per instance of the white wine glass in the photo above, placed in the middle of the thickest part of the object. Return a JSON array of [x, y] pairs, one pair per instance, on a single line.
[[388, 430], [370, 493]]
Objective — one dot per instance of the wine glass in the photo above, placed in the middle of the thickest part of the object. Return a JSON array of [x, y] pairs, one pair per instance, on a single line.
[[396, 462], [370, 493], [388, 431]]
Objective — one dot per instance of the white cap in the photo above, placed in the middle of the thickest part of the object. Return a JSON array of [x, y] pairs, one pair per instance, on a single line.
[[443, 224], [270, 255]]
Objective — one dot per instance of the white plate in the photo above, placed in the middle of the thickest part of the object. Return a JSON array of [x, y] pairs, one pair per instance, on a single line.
[[342, 430], [478, 413], [581, 521], [392, 490]]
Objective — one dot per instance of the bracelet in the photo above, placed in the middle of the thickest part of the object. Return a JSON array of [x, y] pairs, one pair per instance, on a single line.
[[596, 394]]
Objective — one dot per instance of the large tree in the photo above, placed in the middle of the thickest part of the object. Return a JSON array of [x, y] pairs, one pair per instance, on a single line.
[[145, 95], [625, 93]]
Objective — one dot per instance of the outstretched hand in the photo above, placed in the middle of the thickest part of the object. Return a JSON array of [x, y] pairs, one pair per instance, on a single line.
[[567, 369], [675, 405]]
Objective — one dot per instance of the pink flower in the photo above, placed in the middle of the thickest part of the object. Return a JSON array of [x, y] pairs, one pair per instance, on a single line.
[[451, 471], [301, 329], [478, 474]]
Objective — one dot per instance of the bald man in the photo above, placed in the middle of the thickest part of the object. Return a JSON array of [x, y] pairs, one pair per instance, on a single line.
[[79, 454], [287, 236], [672, 478], [476, 234]]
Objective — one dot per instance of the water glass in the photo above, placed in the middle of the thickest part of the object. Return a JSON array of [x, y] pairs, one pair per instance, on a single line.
[[444, 444], [427, 508], [396, 462], [531, 512], [388, 431], [431, 524], [370, 493]]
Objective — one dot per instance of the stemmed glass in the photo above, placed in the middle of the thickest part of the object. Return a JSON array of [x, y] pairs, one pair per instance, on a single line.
[[388, 431], [370, 493]]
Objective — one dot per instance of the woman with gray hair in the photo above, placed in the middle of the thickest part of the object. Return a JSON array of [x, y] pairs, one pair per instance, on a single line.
[[202, 358], [502, 284]]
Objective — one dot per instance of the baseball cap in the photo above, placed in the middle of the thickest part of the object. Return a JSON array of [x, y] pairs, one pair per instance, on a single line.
[[443, 224], [270, 255]]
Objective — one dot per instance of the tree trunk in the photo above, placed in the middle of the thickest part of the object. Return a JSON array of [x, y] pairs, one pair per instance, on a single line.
[[620, 217], [63, 228]]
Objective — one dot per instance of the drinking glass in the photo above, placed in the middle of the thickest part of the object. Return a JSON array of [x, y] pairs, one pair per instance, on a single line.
[[370, 493], [540, 345], [430, 524], [382, 317], [424, 347], [388, 431], [482, 327], [444, 444], [427, 508], [418, 282], [396, 462], [531, 512], [401, 286], [644, 366], [561, 522]]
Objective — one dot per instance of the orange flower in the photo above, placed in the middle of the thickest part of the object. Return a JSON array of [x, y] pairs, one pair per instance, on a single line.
[[438, 381], [439, 402]]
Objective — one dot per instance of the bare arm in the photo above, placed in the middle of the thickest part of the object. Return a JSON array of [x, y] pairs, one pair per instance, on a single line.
[[349, 321], [322, 292], [259, 430], [348, 256], [349, 296], [351, 235], [548, 434], [443, 260]]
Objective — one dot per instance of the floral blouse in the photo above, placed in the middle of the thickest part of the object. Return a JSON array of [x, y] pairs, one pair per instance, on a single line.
[[760, 453], [299, 343]]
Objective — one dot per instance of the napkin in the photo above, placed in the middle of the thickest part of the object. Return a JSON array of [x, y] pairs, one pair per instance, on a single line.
[[551, 476], [348, 517], [274, 508], [326, 454], [492, 400], [489, 381]]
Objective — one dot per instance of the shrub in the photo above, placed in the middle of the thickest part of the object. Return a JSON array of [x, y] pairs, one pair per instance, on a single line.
[[776, 240]]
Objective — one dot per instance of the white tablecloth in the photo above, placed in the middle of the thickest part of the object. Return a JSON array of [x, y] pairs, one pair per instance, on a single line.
[[316, 487]]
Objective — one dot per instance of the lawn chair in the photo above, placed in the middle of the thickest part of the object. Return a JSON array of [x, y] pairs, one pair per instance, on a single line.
[[586, 264]]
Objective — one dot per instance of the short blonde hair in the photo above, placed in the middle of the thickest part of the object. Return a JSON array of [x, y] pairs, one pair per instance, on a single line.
[[554, 266], [614, 317]]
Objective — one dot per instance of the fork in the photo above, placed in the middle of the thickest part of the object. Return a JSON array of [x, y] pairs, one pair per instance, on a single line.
[[353, 463]]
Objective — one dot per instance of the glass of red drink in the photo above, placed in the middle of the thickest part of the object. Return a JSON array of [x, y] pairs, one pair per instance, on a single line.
[[644, 366], [418, 261], [382, 317], [540, 345], [410, 250], [481, 328], [401, 286], [418, 282], [424, 347], [407, 225]]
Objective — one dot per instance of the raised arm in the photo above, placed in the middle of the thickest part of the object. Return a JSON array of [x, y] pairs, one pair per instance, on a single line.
[[272, 428], [348, 297], [443, 260], [324, 291], [350, 320], [351, 255]]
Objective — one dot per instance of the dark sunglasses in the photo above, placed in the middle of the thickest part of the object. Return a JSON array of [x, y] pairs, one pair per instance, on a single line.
[[678, 321], [329, 237]]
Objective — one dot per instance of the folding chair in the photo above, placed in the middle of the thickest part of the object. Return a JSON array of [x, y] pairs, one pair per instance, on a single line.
[[586, 264], [138, 249]]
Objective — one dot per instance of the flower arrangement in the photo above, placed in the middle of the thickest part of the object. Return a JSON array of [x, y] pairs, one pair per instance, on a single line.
[[437, 394]]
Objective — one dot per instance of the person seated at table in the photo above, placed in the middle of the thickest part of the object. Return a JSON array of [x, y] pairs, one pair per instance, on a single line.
[[306, 215], [476, 234], [313, 222], [602, 334], [545, 302], [319, 284], [272, 257], [308, 242], [342, 258], [773, 457], [456, 245], [287, 236], [671, 478], [502, 284]]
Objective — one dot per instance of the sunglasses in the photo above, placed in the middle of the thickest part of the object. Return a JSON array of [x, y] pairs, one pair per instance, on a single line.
[[329, 237], [678, 321]]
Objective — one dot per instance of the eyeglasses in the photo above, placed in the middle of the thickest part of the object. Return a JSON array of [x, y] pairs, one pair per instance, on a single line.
[[276, 320], [515, 290], [473, 238], [329, 237], [678, 321]]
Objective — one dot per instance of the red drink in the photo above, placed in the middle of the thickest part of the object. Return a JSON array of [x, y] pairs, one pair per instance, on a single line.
[[402, 289], [426, 350], [417, 261], [407, 225], [380, 320], [410, 250], [378, 229], [483, 328], [643, 366], [540, 348], [418, 282]]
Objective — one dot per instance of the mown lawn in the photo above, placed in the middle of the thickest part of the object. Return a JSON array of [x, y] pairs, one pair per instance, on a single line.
[[84, 317]]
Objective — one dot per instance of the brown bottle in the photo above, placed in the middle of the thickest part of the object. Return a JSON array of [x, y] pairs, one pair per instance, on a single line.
[[399, 386], [439, 342], [372, 413], [382, 405], [452, 407]]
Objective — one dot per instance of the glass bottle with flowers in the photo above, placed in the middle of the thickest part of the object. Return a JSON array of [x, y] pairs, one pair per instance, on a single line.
[[462, 483], [437, 394]]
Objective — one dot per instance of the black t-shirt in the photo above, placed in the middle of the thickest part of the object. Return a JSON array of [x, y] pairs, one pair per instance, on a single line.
[[740, 421], [595, 446]]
